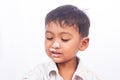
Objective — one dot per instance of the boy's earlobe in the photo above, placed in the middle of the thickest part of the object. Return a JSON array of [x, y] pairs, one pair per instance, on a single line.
[[84, 43]]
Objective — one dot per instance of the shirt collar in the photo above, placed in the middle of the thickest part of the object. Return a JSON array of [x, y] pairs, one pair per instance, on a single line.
[[80, 71], [52, 67]]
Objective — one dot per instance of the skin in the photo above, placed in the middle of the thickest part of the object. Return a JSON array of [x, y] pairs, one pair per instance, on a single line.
[[69, 42]]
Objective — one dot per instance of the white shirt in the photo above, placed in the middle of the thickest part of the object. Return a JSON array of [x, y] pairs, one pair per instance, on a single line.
[[49, 71]]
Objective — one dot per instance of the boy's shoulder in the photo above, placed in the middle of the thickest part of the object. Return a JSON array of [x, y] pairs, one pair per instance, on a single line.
[[90, 75], [45, 67], [85, 73], [40, 71]]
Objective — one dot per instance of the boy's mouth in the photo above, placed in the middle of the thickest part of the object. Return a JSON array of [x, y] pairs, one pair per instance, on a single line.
[[54, 53]]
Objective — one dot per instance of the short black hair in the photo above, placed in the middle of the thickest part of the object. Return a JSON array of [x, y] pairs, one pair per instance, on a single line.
[[70, 15]]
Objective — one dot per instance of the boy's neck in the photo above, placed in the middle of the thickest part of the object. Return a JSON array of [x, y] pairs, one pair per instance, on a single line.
[[72, 64], [68, 68]]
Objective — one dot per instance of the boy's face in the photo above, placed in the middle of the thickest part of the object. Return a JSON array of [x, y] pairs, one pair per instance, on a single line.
[[63, 43]]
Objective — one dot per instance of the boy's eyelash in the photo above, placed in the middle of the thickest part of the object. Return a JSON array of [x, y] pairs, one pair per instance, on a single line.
[[49, 38], [65, 40]]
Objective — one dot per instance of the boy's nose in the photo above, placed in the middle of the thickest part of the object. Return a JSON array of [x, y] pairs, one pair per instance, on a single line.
[[55, 45]]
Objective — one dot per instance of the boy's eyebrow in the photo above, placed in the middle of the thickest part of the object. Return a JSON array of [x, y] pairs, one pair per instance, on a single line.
[[48, 32], [60, 33], [65, 33]]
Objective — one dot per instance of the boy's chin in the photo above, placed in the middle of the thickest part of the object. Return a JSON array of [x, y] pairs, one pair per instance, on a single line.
[[57, 60]]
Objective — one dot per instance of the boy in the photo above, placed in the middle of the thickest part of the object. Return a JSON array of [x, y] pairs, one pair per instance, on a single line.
[[66, 32]]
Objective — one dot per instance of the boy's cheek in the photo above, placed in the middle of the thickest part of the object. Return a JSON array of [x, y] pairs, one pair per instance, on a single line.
[[47, 46]]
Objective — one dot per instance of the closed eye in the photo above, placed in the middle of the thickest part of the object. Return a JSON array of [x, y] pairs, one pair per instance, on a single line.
[[65, 40], [49, 38]]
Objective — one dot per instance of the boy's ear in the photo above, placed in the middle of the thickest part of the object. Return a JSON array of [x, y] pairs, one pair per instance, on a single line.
[[84, 43]]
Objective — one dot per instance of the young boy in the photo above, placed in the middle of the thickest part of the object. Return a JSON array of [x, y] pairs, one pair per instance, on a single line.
[[66, 32]]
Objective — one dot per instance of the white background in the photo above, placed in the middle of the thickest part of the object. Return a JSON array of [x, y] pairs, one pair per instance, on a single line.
[[22, 36]]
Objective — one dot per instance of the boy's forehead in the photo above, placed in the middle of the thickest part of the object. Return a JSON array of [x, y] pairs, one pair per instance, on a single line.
[[61, 25], [57, 29]]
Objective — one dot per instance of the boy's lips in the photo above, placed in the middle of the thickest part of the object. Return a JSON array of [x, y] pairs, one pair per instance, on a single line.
[[55, 54]]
